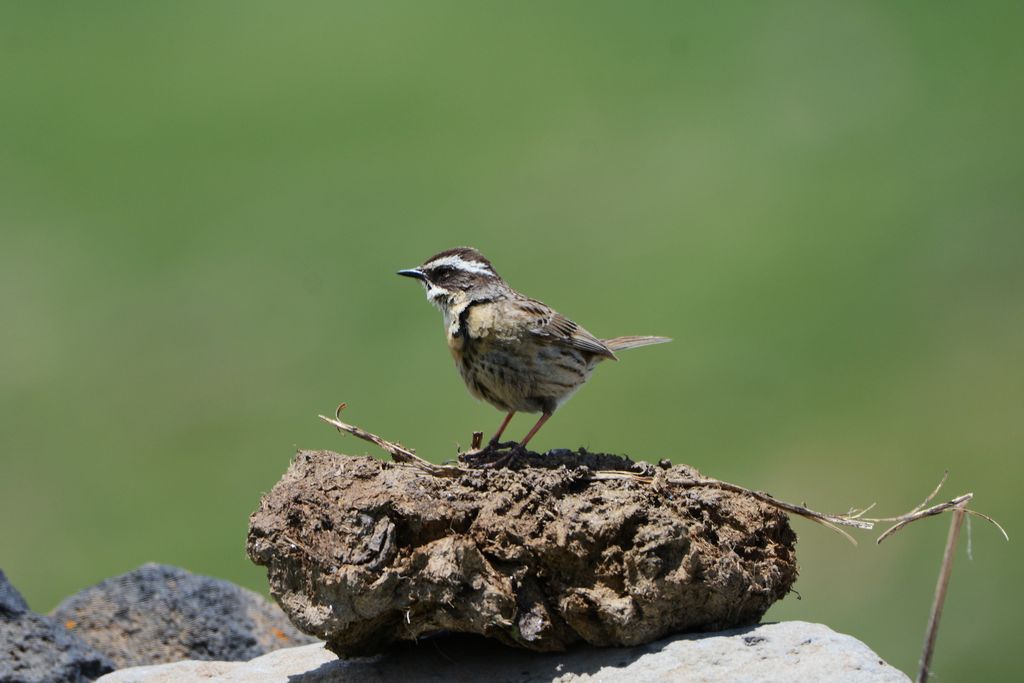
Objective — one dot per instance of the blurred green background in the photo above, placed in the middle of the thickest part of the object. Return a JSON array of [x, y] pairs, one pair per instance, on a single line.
[[204, 204]]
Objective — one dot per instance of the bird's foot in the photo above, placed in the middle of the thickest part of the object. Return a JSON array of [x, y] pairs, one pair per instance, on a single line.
[[509, 459], [495, 455]]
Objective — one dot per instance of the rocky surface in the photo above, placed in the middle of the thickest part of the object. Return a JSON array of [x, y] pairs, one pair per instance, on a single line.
[[790, 651], [11, 602], [35, 648], [158, 613], [360, 552]]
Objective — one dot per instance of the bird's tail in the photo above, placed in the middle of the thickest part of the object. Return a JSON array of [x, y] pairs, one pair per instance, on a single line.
[[623, 343]]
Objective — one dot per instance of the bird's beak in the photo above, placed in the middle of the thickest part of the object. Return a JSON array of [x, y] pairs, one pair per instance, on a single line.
[[413, 272]]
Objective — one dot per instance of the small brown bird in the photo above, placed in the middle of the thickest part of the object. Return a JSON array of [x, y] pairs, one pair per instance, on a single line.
[[514, 352]]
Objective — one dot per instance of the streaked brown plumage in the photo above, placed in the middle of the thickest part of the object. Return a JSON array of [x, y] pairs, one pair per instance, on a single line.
[[516, 353]]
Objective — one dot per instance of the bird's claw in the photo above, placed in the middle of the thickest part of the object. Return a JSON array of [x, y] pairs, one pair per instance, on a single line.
[[495, 455]]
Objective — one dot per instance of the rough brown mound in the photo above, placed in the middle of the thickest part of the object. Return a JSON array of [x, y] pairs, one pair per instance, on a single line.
[[361, 552]]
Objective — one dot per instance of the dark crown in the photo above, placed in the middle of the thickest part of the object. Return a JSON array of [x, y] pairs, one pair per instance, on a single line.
[[468, 254], [458, 268]]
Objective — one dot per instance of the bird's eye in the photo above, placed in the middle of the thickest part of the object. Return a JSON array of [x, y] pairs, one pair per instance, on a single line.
[[443, 271]]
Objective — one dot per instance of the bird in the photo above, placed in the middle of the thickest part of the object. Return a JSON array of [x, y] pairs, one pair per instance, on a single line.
[[516, 353]]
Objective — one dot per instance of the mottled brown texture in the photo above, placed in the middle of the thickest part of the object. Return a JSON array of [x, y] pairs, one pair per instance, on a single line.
[[361, 552]]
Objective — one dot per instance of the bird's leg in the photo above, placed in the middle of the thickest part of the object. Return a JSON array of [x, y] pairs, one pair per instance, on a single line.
[[504, 423], [536, 428], [519, 449]]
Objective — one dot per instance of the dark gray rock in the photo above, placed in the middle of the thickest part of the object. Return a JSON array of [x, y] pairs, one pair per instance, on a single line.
[[157, 614], [11, 602], [37, 649]]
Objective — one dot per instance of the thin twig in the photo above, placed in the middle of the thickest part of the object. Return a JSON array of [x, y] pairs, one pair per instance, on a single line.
[[920, 512], [970, 540], [975, 513], [399, 454], [940, 589], [935, 492], [611, 475], [904, 520], [854, 513]]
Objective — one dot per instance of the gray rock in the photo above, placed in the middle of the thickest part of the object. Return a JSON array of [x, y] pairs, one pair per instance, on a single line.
[[11, 602], [361, 553], [288, 665], [37, 649], [157, 614], [783, 652]]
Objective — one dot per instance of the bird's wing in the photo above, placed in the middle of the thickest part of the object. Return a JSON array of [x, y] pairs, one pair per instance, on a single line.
[[550, 325]]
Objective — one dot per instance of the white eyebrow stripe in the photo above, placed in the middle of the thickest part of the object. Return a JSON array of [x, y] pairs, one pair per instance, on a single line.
[[459, 263]]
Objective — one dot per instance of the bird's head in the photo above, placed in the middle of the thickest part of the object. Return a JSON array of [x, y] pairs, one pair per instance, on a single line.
[[462, 270]]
